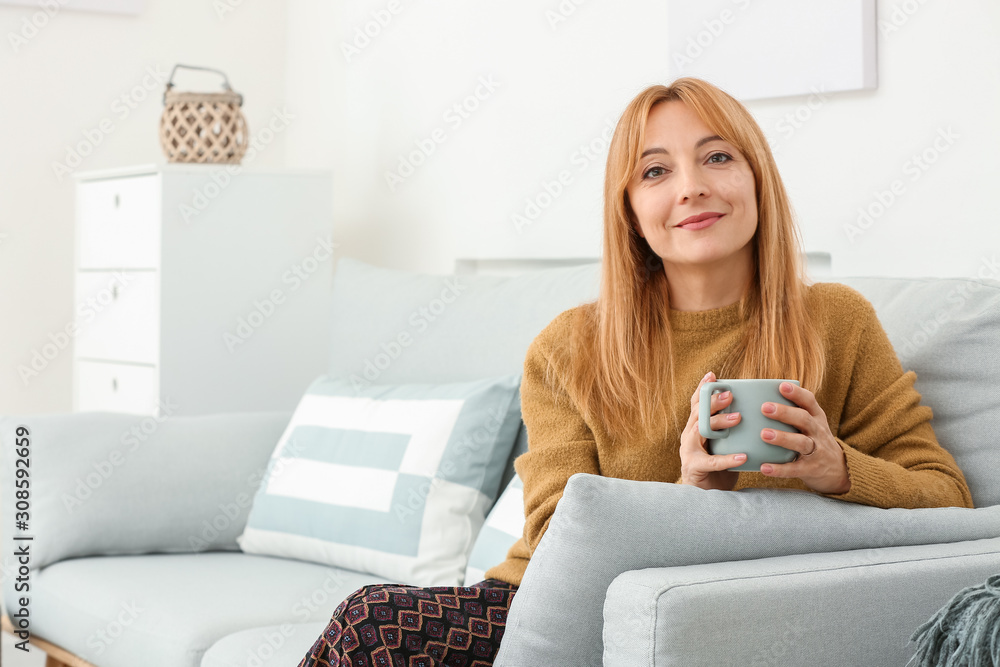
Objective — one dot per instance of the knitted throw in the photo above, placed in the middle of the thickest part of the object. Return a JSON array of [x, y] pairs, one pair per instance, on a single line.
[[965, 632]]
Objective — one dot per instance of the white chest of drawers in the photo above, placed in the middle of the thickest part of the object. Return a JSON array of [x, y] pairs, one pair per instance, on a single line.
[[198, 290]]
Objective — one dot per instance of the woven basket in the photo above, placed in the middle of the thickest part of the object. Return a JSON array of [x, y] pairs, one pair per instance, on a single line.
[[203, 127]]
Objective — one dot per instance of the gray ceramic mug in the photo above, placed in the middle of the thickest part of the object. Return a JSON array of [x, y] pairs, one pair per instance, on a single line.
[[748, 397]]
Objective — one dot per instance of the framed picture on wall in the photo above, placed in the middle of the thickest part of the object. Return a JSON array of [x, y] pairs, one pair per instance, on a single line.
[[756, 50], [107, 6]]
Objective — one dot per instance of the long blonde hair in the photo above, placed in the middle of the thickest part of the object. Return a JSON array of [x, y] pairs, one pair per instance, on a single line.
[[619, 365]]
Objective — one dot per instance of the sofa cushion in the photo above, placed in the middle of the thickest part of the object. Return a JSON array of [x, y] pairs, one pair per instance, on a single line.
[[520, 447], [947, 330], [166, 610], [395, 480], [504, 525], [271, 646], [110, 483], [603, 526]]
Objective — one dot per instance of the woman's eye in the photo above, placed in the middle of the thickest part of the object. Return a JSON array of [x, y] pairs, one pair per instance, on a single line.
[[728, 158], [653, 172]]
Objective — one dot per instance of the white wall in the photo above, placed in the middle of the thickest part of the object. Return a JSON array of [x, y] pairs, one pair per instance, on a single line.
[[56, 89], [560, 83], [560, 87]]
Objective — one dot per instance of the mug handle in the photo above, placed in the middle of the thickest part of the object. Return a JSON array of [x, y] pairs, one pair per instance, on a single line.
[[705, 409]]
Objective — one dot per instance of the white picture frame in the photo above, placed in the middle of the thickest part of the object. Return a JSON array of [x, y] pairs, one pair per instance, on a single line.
[[755, 50]]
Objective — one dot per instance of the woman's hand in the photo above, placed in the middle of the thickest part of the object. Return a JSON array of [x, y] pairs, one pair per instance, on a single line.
[[698, 467], [821, 462]]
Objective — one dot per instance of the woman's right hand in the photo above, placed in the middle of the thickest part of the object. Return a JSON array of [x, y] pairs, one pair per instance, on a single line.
[[698, 467]]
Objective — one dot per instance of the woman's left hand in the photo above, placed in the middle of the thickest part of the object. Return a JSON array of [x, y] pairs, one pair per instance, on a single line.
[[821, 463]]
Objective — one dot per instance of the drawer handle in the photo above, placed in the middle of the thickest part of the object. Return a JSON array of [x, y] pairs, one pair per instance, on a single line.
[[114, 384]]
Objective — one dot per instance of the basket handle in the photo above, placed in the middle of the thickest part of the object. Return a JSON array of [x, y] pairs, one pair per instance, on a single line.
[[225, 80]]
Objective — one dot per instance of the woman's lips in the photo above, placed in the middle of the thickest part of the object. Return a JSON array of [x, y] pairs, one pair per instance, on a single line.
[[701, 224]]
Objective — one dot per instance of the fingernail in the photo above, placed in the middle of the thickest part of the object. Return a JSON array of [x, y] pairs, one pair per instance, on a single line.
[[769, 434], [724, 395], [766, 468], [785, 387], [769, 408], [733, 416], [740, 457]]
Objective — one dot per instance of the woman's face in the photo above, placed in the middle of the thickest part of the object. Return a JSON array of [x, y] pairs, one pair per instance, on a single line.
[[686, 171]]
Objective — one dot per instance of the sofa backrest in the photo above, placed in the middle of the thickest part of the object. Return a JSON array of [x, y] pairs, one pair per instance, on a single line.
[[947, 330], [392, 326], [395, 327]]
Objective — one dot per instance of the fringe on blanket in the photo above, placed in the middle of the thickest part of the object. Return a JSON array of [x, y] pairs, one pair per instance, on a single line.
[[965, 632]]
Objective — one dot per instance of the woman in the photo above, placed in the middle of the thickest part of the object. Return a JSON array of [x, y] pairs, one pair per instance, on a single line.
[[701, 270]]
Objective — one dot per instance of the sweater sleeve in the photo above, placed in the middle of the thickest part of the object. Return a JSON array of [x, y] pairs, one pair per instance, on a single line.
[[559, 444], [893, 456]]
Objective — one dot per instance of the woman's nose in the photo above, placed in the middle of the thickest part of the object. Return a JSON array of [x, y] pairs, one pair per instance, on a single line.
[[692, 184]]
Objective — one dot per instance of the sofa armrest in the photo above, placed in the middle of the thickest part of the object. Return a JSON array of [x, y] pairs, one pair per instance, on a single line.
[[105, 483], [840, 608]]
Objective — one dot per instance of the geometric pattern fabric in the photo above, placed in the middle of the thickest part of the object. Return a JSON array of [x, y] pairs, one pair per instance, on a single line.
[[389, 625]]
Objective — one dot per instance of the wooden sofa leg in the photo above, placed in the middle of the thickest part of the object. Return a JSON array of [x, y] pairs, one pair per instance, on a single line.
[[55, 656]]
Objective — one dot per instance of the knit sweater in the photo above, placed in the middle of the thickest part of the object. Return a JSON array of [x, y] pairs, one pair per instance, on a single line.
[[893, 457]]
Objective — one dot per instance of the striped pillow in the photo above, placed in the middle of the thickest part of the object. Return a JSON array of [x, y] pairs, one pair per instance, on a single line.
[[503, 527], [393, 480]]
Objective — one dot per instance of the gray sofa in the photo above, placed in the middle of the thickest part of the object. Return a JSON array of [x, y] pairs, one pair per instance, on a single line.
[[135, 561]]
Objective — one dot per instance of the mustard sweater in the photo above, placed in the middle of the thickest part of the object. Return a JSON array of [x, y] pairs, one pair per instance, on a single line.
[[893, 456]]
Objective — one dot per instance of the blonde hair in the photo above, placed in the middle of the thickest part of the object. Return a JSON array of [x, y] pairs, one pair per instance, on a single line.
[[620, 366]]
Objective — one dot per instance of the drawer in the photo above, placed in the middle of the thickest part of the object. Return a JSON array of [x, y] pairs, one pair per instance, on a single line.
[[108, 387], [117, 316], [118, 223]]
